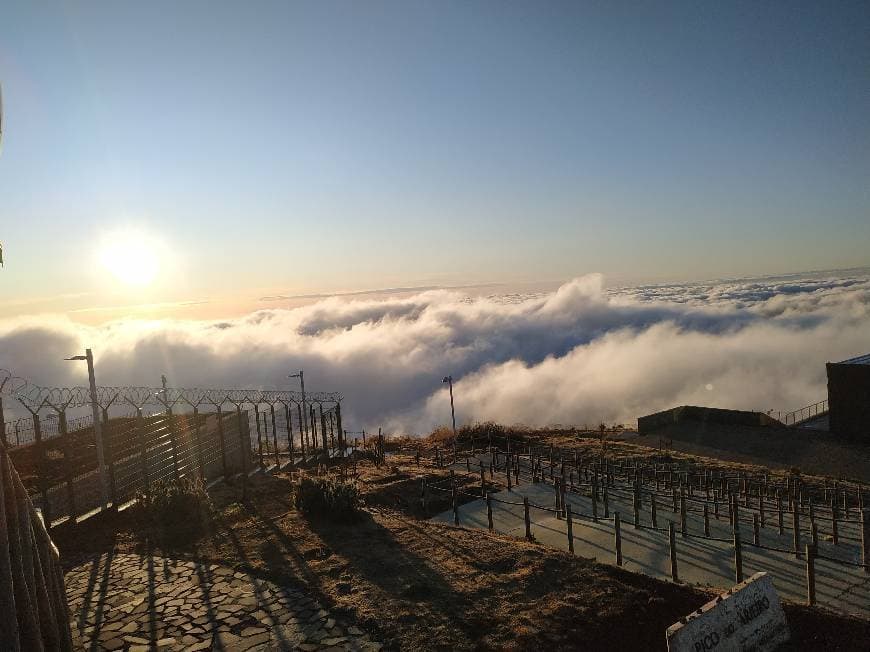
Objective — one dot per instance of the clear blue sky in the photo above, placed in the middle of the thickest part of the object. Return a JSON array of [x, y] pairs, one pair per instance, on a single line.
[[324, 146]]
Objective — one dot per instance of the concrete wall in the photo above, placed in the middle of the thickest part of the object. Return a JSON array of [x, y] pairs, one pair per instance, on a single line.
[[849, 400], [652, 422]]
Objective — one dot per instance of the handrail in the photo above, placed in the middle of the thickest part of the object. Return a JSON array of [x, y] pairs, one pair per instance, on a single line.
[[807, 412]]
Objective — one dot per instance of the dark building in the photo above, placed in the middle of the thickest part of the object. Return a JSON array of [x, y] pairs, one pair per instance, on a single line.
[[849, 397]]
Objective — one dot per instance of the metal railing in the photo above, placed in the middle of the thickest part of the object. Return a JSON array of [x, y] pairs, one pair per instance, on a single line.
[[807, 412], [34, 614]]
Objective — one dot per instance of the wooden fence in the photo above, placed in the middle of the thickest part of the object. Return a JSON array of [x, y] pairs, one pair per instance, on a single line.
[[751, 502]]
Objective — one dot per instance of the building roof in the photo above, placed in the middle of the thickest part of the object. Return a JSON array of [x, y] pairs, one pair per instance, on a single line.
[[861, 359]]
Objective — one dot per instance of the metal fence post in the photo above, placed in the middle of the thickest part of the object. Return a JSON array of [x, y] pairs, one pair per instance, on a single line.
[[143, 451], [243, 453], [275, 436], [672, 539], [109, 457], [198, 442], [738, 558], [289, 434], [67, 463], [41, 469], [259, 436], [222, 438]]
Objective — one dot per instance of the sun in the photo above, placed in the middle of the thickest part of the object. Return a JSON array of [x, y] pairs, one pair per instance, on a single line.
[[132, 258]]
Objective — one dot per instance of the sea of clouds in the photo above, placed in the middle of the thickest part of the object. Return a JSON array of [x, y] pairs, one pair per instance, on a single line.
[[579, 355]]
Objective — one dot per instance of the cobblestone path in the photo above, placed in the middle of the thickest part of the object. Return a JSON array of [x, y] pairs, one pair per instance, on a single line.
[[139, 603]]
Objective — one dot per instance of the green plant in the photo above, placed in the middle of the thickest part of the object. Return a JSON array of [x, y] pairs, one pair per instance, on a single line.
[[326, 499], [175, 507]]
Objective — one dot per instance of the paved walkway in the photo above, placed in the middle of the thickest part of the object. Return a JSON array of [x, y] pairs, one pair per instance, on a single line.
[[700, 560], [139, 603]]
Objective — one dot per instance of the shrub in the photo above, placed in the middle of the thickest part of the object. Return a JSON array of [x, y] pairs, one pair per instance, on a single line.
[[176, 507], [334, 501]]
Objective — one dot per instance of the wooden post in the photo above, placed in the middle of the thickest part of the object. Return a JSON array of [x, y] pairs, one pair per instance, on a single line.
[[755, 533], [489, 512], [557, 495], [527, 519], [482, 481], [865, 538], [507, 463], [738, 558], [683, 529], [594, 498], [635, 499], [779, 511], [835, 538], [455, 505], [618, 536], [706, 520], [795, 515], [672, 538], [814, 533], [811, 575], [423, 495], [570, 529]]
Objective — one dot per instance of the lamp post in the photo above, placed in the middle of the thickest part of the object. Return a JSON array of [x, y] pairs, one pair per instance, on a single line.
[[98, 424], [449, 381], [301, 377]]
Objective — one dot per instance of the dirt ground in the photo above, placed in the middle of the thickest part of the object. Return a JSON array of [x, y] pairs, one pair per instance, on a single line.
[[423, 586]]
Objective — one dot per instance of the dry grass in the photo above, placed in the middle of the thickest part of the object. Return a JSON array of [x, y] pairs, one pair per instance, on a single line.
[[418, 585]]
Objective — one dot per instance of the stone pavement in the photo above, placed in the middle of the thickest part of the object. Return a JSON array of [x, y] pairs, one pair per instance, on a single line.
[[700, 560], [140, 602]]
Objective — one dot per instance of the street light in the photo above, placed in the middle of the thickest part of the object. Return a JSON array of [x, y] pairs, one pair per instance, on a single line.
[[98, 425], [449, 381], [301, 377]]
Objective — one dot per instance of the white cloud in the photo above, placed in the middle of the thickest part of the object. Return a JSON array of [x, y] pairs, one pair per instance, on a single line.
[[578, 355]]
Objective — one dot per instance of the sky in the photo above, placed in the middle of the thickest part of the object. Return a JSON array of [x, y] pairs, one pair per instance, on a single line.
[[196, 157]]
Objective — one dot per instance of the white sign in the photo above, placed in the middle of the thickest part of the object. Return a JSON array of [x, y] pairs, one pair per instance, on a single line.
[[748, 617]]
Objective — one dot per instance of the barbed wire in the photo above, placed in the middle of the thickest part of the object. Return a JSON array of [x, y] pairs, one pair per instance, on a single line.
[[34, 396]]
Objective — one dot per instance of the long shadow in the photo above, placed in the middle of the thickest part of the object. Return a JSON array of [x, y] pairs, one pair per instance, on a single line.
[[262, 603], [204, 576], [89, 591], [152, 595], [101, 600], [391, 572]]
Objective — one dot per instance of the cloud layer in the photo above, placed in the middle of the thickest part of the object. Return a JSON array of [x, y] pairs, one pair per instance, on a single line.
[[578, 355]]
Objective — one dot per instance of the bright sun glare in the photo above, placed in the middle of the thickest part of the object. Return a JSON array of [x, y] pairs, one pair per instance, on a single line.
[[131, 258]]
